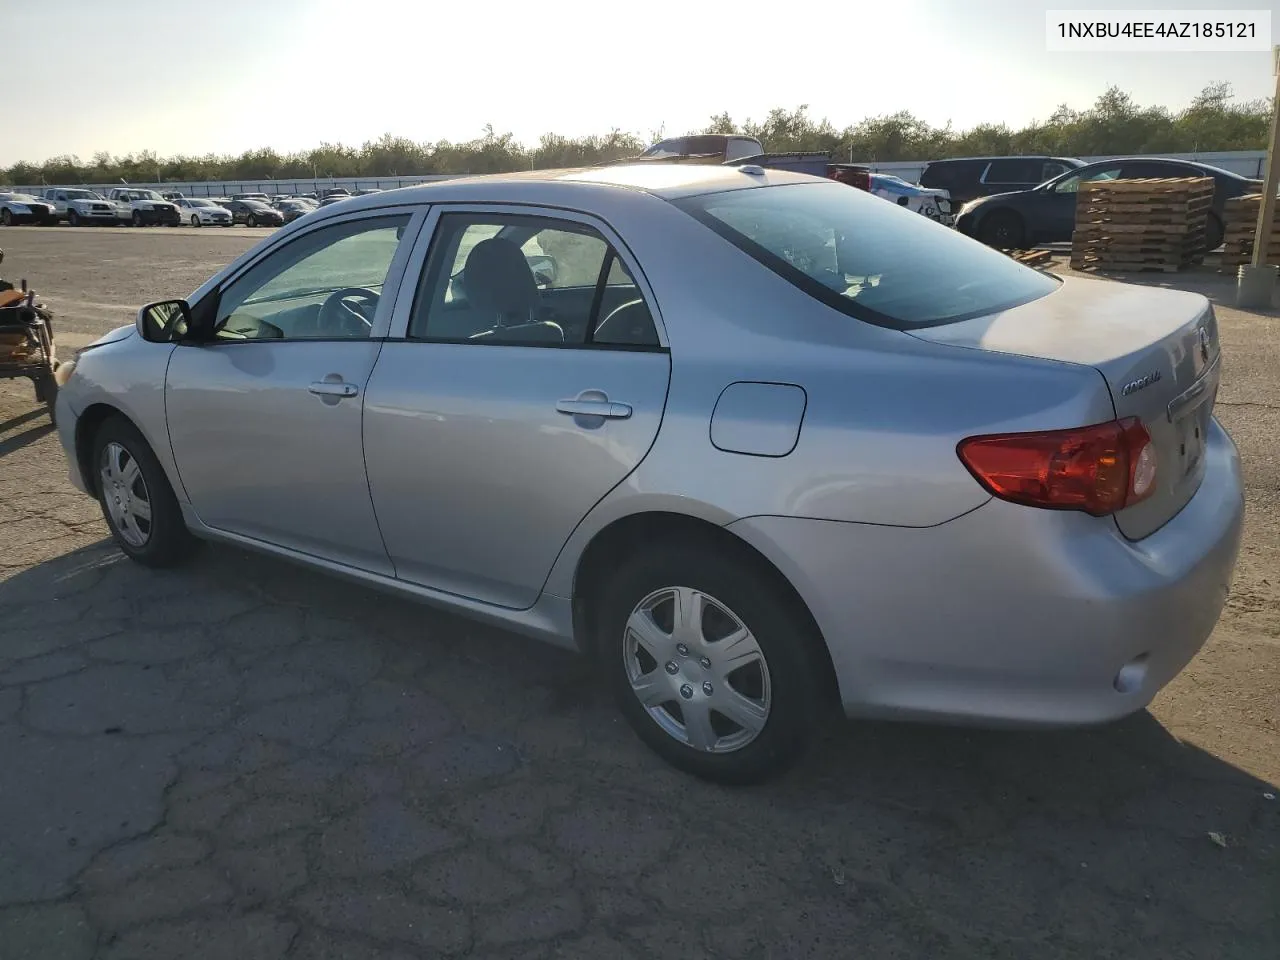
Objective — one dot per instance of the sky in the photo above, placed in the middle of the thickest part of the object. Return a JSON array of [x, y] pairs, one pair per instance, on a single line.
[[183, 76]]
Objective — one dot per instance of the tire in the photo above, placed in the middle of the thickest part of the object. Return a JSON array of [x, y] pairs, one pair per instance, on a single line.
[[251, 221], [47, 393], [161, 541], [1003, 230], [73, 219], [784, 684], [136, 219], [195, 220], [1213, 233], [6, 217]]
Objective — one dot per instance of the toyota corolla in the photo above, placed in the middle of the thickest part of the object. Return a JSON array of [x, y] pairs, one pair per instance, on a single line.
[[759, 443]]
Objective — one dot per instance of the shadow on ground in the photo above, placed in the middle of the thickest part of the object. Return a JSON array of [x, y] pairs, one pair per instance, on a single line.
[[246, 756]]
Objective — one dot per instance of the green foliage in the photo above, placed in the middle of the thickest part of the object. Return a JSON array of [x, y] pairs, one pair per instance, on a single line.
[[1113, 125]]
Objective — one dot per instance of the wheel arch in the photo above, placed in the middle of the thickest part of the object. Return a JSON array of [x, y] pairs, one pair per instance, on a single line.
[[631, 532], [87, 425]]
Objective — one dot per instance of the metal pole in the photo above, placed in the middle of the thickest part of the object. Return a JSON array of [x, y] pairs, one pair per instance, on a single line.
[[1256, 280], [1270, 180]]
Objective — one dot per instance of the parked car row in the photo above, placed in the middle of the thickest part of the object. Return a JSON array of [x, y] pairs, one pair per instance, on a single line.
[[1016, 202], [81, 206]]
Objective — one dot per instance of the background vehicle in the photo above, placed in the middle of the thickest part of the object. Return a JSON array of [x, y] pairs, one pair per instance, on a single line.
[[1047, 213], [254, 213], [198, 211], [292, 210], [145, 207], [704, 146], [78, 206], [251, 196], [551, 455], [173, 196], [24, 208], [966, 178], [26, 341]]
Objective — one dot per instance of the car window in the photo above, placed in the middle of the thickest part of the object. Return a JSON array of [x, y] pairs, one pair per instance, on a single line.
[[1072, 184], [1145, 169], [324, 285], [526, 280], [1052, 168], [869, 259], [1014, 170]]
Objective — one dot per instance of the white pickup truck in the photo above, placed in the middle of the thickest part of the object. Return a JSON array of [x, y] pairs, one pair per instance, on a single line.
[[145, 207], [78, 206]]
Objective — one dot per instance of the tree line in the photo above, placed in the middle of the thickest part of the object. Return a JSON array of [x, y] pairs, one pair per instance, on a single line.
[[1114, 124]]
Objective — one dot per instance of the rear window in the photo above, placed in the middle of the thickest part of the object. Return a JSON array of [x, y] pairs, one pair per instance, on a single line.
[[866, 257]]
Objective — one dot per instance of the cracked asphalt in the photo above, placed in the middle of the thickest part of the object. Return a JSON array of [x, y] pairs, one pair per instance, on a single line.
[[243, 759]]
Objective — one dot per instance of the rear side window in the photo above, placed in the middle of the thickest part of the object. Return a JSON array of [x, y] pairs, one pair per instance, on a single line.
[[1015, 170], [868, 258]]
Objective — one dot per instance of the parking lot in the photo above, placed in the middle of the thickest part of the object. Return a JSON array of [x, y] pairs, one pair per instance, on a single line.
[[243, 759]]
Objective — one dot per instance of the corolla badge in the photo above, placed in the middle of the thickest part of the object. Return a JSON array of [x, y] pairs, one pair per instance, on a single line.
[[1133, 386]]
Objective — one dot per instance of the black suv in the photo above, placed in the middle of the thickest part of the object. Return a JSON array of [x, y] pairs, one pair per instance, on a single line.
[[967, 178]]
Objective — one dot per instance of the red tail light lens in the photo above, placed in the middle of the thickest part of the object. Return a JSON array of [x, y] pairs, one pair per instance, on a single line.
[[1098, 469]]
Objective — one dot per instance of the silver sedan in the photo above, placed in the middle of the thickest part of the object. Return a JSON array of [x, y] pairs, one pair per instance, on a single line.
[[762, 444]]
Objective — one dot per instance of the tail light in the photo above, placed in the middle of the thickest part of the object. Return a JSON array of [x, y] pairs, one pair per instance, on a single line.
[[1099, 469]]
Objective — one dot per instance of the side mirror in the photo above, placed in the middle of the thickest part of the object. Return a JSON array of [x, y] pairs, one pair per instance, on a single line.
[[164, 321], [545, 269]]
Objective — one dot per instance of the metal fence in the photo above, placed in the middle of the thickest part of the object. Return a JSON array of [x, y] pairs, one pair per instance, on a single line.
[[1248, 163]]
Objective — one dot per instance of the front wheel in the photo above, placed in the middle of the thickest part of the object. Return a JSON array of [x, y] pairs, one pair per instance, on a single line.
[[1003, 230], [73, 219], [252, 221], [137, 219], [6, 217], [195, 220], [137, 501], [711, 660], [1213, 233]]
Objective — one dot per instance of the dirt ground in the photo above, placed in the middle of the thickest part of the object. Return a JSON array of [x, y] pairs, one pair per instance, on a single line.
[[245, 759]]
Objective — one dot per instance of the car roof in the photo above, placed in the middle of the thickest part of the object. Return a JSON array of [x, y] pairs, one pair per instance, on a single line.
[[593, 188], [1170, 160], [1007, 156]]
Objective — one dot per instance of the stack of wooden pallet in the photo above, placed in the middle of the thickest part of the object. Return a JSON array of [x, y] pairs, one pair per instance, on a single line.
[[1241, 224], [1129, 225]]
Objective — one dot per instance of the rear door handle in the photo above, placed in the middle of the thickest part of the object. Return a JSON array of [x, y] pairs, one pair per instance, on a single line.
[[609, 409], [329, 388]]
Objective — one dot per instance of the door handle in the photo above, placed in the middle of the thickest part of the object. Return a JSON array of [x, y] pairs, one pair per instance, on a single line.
[[329, 388], [609, 409]]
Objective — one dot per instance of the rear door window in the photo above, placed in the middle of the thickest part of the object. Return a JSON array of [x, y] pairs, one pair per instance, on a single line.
[[1016, 170], [867, 258]]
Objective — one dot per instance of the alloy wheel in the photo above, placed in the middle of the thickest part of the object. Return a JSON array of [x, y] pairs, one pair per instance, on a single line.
[[697, 669], [125, 494]]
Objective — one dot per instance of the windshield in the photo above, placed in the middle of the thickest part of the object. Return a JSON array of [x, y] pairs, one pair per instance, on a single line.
[[201, 203], [81, 195], [255, 205], [18, 197], [867, 258]]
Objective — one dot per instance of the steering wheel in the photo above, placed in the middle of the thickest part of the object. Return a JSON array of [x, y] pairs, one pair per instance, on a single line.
[[347, 313]]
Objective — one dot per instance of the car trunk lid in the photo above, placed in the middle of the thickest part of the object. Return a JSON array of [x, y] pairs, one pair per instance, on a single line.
[[1157, 350]]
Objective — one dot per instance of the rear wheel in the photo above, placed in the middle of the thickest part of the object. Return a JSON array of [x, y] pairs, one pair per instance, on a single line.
[[1213, 233], [137, 501], [252, 221], [6, 217], [73, 218], [1003, 230], [710, 661], [137, 218], [195, 220]]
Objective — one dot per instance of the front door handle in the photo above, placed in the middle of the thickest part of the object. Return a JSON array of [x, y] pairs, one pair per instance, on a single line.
[[331, 388], [609, 409]]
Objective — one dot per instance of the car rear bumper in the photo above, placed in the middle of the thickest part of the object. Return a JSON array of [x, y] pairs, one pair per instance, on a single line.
[[1013, 615]]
